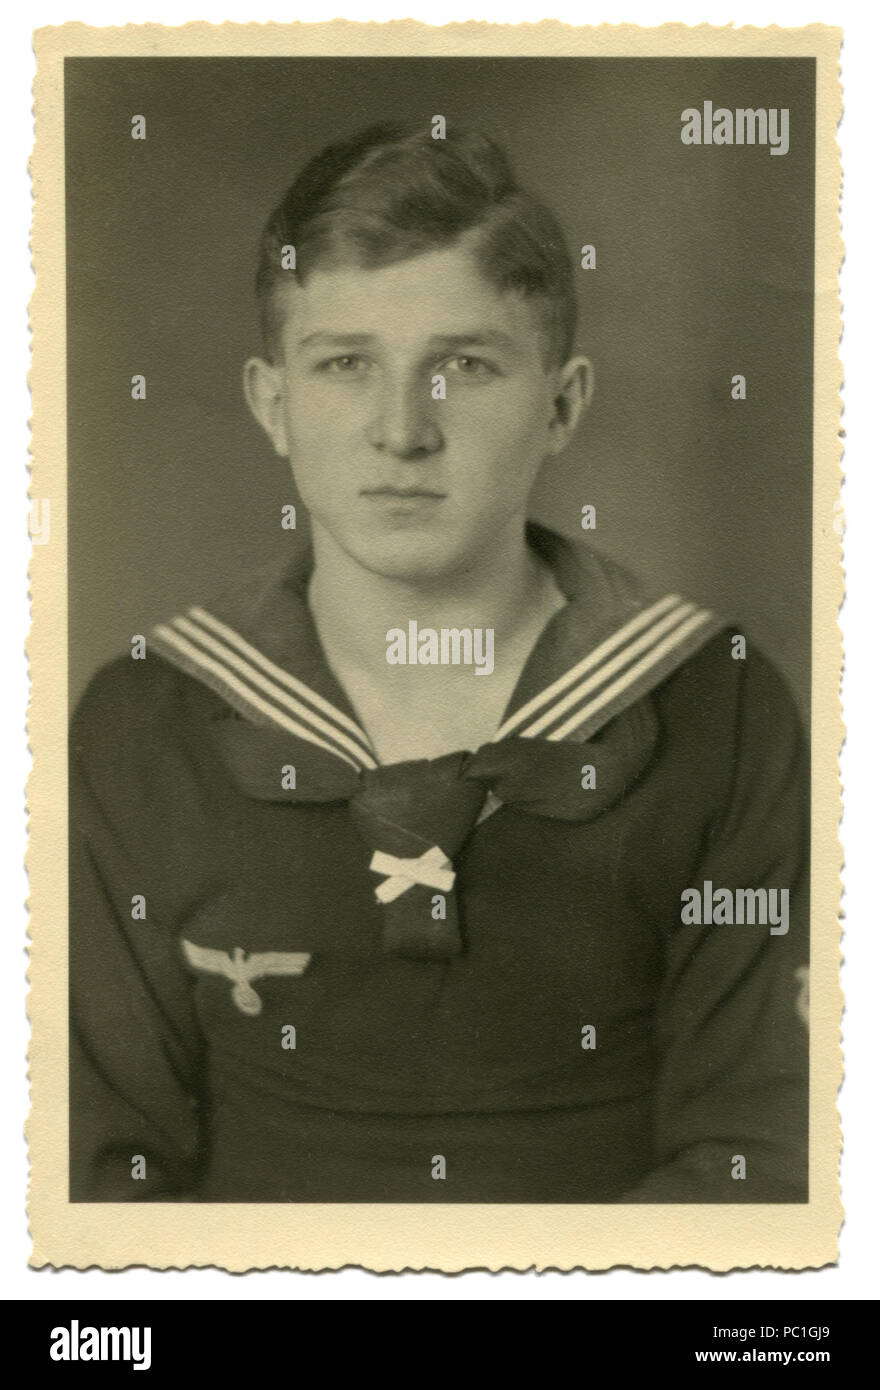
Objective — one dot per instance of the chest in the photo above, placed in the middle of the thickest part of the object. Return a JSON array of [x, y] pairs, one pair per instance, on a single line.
[[272, 915], [546, 912]]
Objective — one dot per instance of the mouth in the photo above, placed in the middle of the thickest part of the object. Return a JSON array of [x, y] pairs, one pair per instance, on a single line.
[[403, 494]]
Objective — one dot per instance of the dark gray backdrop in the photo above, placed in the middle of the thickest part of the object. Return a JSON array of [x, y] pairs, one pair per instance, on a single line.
[[705, 269]]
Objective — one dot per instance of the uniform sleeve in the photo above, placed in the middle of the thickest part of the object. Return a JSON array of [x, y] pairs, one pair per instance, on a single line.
[[731, 1101], [134, 1041]]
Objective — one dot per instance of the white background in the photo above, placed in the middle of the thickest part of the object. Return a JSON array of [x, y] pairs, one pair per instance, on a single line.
[[855, 1276]]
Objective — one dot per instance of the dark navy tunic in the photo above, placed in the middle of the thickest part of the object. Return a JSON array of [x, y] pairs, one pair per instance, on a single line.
[[261, 916]]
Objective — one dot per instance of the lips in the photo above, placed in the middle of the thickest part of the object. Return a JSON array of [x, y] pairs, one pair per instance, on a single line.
[[404, 494]]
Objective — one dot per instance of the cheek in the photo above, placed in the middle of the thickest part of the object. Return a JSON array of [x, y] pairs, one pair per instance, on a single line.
[[497, 428], [315, 429], [510, 409]]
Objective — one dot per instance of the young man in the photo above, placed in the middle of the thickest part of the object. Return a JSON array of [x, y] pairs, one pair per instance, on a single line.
[[445, 866]]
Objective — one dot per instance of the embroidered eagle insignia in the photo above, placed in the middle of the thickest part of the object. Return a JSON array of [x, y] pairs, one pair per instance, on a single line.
[[242, 969]]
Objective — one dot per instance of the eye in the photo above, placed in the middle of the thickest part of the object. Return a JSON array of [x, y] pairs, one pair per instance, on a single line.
[[348, 363], [465, 365]]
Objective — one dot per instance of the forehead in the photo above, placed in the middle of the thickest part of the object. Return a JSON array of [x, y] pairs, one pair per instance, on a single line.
[[442, 293]]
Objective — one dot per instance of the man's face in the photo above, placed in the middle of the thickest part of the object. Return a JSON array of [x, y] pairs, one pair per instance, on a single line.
[[411, 484]]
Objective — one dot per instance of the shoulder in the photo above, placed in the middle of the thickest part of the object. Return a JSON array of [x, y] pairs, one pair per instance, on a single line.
[[731, 673], [144, 691], [129, 691], [723, 671], [139, 726], [730, 723]]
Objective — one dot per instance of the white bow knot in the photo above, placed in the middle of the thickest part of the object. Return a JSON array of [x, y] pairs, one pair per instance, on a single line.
[[432, 869]]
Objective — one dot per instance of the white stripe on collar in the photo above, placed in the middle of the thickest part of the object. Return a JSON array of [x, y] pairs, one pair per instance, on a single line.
[[591, 660], [691, 629], [659, 639], [240, 679], [699, 625], [233, 638], [621, 668]]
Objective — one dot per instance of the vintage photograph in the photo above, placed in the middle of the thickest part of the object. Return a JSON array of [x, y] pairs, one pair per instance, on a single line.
[[440, 794]]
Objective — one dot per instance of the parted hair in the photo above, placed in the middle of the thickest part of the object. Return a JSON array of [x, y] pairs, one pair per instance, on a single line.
[[392, 192]]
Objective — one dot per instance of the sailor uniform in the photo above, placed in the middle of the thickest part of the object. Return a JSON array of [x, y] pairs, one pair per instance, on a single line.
[[345, 970]]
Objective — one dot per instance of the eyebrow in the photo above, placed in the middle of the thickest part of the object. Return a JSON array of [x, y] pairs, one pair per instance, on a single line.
[[480, 337]]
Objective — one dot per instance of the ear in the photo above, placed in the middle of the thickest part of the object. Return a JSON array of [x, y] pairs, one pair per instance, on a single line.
[[572, 393], [262, 390]]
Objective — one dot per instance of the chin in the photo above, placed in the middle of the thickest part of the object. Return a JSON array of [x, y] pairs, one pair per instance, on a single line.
[[413, 557]]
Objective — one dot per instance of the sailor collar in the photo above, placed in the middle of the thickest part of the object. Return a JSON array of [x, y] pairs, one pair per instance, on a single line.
[[597, 656], [579, 705]]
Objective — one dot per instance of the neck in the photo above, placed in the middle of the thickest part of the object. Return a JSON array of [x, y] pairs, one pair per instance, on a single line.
[[354, 608]]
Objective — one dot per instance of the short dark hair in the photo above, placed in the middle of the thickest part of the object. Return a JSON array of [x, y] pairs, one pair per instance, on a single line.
[[392, 192]]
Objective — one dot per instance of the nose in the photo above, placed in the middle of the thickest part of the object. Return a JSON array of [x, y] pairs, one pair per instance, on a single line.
[[403, 423]]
